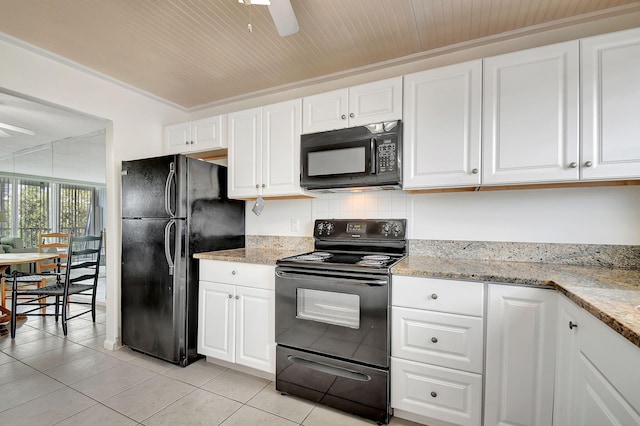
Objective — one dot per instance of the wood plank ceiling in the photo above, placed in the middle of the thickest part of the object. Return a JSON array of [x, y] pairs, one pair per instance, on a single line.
[[199, 52]]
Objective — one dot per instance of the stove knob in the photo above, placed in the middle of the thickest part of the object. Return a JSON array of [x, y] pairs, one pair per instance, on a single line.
[[329, 227], [397, 228], [386, 228]]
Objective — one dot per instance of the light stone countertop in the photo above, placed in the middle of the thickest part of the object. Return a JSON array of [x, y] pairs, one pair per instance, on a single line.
[[610, 294], [262, 256]]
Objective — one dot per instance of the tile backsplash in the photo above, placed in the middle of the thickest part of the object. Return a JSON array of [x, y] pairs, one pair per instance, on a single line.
[[363, 205]]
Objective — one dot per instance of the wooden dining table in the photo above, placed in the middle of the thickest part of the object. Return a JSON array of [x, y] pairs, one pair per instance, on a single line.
[[10, 259]]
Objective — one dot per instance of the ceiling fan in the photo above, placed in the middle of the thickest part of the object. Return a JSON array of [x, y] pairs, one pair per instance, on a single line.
[[281, 12], [4, 134]]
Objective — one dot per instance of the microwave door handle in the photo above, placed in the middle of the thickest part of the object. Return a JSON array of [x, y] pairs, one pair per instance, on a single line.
[[373, 156]]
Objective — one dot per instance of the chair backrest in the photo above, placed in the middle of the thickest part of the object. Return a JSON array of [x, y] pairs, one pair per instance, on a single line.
[[84, 256], [56, 242]]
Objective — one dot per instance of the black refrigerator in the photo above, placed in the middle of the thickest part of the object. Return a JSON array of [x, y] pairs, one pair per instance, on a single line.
[[172, 207]]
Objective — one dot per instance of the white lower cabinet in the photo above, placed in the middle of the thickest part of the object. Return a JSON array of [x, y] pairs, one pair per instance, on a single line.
[[597, 374], [236, 314], [437, 350], [439, 393], [520, 355]]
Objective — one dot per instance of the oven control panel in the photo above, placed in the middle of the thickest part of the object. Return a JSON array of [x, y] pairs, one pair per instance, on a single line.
[[360, 229]]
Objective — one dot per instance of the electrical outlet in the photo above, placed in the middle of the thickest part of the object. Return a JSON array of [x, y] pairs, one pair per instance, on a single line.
[[295, 225]]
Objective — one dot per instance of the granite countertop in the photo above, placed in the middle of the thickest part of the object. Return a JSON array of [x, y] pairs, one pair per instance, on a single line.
[[609, 294], [264, 256]]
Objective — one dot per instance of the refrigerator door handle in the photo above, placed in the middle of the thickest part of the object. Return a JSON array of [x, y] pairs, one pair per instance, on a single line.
[[167, 189], [167, 242]]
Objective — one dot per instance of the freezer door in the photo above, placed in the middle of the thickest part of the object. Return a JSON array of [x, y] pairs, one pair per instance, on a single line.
[[153, 287], [150, 187]]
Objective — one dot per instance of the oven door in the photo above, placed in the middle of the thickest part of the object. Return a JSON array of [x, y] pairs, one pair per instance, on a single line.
[[338, 314]]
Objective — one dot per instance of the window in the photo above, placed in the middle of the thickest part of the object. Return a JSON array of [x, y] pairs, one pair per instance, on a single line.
[[31, 206], [75, 208], [33, 210]]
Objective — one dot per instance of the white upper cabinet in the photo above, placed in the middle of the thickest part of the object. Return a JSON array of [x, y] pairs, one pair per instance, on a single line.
[[245, 153], [195, 136], [530, 122], [442, 117], [610, 106], [264, 151], [358, 105]]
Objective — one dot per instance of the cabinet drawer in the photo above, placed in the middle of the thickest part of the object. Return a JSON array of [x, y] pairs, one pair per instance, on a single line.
[[436, 392], [456, 297], [238, 273], [447, 340]]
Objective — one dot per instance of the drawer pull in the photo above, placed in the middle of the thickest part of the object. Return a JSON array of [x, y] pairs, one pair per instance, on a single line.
[[434, 339], [434, 296], [433, 394], [231, 296], [572, 325], [233, 272]]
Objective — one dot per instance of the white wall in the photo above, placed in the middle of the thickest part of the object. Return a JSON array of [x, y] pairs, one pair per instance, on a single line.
[[602, 215], [133, 130]]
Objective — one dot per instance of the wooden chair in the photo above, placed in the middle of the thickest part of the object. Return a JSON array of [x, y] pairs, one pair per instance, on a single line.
[[57, 242], [80, 282]]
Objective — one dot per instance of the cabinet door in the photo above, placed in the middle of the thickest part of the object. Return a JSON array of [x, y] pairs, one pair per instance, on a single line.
[[177, 138], [448, 340], [375, 102], [325, 111], [610, 105], [437, 393], [216, 320], [530, 121], [520, 355], [255, 319], [245, 146], [281, 128], [595, 384], [442, 111], [208, 133]]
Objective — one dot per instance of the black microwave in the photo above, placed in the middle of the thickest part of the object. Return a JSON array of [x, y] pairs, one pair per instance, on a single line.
[[367, 157]]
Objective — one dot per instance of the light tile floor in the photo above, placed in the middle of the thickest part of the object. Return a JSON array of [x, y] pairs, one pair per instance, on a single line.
[[47, 379]]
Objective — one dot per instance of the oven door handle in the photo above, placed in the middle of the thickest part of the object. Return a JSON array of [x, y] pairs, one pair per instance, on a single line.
[[329, 369], [342, 278]]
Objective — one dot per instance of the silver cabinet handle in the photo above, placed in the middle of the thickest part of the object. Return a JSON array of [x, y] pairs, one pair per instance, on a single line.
[[263, 185], [474, 171], [434, 340], [344, 117], [434, 296], [237, 297], [573, 165], [588, 164], [352, 115], [257, 186], [433, 394], [233, 272], [231, 296]]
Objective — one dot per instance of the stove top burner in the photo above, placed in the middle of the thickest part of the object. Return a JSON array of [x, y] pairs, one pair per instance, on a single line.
[[370, 262], [376, 257], [316, 256]]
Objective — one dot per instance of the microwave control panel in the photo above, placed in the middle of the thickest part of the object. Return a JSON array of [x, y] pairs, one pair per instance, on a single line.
[[386, 155]]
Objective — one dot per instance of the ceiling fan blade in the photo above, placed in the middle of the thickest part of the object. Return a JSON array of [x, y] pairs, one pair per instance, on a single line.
[[17, 129], [4, 134], [283, 17]]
